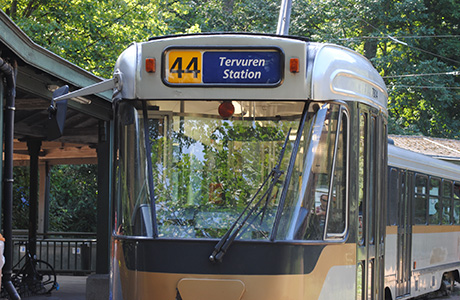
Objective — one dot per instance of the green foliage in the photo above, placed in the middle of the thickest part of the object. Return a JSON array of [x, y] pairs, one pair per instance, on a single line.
[[400, 37], [73, 198], [21, 197], [92, 34]]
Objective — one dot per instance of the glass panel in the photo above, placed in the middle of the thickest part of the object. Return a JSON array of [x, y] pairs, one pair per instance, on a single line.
[[304, 212], [206, 168], [360, 281], [336, 216], [420, 210], [403, 213], [383, 195], [372, 181], [393, 199], [435, 184], [446, 207], [420, 185], [135, 209], [434, 211], [420, 199], [370, 282], [434, 208], [456, 212], [362, 178], [447, 188]]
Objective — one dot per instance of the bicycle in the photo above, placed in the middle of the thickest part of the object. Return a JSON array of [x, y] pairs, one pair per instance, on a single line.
[[35, 277]]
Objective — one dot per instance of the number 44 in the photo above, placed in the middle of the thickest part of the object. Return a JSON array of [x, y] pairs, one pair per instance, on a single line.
[[192, 67]]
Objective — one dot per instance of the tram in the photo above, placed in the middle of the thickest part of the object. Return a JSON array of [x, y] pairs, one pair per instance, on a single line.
[[423, 225], [255, 166], [249, 167]]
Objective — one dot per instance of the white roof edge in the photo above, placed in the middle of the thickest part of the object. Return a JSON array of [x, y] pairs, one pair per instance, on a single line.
[[401, 158], [346, 68]]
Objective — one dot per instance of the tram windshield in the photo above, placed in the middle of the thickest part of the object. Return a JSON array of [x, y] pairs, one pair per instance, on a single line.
[[207, 166]]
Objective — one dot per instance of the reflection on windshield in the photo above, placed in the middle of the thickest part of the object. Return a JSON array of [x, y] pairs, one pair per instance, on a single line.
[[316, 203], [205, 168]]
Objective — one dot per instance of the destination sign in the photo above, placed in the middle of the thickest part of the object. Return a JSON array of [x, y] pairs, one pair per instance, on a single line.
[[223, 67]]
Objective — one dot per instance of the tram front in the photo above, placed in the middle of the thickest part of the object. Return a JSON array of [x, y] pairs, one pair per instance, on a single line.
[[232, 180]]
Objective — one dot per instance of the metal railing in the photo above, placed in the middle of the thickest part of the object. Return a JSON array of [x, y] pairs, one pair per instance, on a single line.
[[73, 253]]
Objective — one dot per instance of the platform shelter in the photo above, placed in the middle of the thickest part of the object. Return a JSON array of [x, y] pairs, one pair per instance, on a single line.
[[86, 137]]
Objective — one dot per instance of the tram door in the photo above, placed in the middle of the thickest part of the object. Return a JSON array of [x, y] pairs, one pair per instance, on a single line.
[[404, 239], [372, 193]]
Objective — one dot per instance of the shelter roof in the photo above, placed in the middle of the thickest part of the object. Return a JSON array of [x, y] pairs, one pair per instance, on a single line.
[[445, 149], [39, 72]]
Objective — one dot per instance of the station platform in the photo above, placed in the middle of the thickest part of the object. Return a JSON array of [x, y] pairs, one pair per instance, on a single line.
[[70, 288]]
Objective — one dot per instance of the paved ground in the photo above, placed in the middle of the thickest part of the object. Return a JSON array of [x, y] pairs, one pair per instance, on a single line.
[[450, 295], [70, 288]]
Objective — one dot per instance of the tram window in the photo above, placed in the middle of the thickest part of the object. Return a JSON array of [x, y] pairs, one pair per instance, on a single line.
[[360, 281], [434, 205], [370, 279], [317, 193], [435, 187], [362, 177], [403, 198], [205, 168], [372, 167], [446, 202], [420, 185], [337, 208], [393, 200], [447, 189], [456, 212], [420, 204], [384, 191], [420, 210]]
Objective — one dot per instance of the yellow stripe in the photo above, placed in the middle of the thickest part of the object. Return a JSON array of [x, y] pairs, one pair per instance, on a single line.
[[435, 228], [426, 229], [392, 230]]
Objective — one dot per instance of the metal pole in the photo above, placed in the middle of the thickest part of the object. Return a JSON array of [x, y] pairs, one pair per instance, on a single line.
[[284, 17], [103, 199], [10, 78], [34, 149]]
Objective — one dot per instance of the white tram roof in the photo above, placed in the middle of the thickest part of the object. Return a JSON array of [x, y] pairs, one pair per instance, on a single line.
[[327, 72], [419, 163]]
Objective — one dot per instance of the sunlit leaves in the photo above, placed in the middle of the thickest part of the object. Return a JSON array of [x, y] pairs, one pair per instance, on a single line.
[[403, 37], [400, 37]]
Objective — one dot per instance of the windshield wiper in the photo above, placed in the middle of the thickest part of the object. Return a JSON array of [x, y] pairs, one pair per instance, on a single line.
[[224, 243]]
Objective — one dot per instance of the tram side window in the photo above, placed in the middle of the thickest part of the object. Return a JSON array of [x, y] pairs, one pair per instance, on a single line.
[[446, 202], [362, 177], [456, 212], [420, 199], [393, 200], [337, 208], [316, 204], [434, 208]]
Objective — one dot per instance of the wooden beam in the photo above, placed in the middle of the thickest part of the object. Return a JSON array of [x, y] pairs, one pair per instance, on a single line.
[[56, 153]]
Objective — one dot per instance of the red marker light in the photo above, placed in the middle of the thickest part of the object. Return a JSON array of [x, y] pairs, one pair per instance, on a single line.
[[226, 109], [294, 66], [150, 65]]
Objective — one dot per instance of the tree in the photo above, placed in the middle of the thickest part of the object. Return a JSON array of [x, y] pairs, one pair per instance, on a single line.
[[92, 34], [403, 37], [21, 197], [73, 198], [408, 38]]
